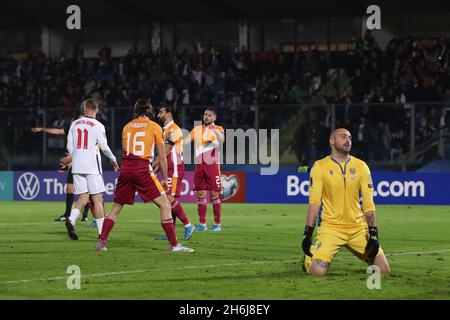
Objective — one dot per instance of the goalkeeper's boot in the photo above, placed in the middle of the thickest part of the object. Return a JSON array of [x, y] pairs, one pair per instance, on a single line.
[[161, 237], [179, 248], [71, 230], [188, 232], [216, 227], [100, 246], [62, 217], [201, 227]]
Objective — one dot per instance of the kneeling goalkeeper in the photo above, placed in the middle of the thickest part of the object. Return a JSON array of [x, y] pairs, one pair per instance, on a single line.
[[336, 183]]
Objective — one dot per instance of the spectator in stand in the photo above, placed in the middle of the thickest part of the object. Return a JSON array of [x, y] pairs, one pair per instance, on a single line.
[[408, 70]]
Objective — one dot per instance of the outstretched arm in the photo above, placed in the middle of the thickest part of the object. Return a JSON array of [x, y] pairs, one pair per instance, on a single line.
[[55, 131]]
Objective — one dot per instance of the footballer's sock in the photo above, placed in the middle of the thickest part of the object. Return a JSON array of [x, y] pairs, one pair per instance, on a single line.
[[69, 203], [174, 218], [178, 211], [74, 214], [108, 224], [169, 229], [91, 207], [202, 206], [99, 223], [85, 211], [217, 208]]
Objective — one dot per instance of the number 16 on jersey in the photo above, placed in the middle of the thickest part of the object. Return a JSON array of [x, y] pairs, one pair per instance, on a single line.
[[137, 146]]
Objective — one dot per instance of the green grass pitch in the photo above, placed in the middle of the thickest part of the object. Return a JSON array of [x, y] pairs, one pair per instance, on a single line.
[[256, 256]]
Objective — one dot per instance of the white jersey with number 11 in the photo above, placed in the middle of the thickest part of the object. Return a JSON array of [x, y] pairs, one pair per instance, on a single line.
[[84, 139]]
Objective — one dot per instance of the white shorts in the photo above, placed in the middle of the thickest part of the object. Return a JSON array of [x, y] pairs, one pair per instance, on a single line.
[[88, 183]]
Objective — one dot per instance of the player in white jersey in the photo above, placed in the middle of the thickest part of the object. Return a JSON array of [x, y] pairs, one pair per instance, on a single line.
[[86, 136]]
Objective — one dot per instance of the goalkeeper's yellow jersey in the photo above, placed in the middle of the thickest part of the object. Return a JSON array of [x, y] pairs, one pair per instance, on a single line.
[[338, 188]]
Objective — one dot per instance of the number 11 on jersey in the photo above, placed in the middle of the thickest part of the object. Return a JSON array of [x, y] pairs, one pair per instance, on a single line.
[[80, 137]]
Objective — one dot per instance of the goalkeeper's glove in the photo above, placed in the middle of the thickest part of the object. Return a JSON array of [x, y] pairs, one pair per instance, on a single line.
[[307, 240], [372, 245]]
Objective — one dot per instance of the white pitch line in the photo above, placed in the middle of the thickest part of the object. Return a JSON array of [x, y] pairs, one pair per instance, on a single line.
[[59, 222], [412, 253], [416, 253], [202, 267], [151, 270], [7, 224]]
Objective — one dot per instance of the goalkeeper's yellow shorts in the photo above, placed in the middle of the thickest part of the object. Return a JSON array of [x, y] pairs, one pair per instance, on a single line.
[[330, 240]]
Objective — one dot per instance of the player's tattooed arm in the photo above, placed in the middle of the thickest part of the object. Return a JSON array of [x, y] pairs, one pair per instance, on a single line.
[[312, 215], [321, 263], [371, 218]]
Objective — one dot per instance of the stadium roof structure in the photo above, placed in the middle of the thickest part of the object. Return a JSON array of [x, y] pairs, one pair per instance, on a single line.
[[22, 13]]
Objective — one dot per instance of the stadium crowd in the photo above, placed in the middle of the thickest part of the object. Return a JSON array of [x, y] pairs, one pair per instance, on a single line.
[[406, 71], [222, 77]]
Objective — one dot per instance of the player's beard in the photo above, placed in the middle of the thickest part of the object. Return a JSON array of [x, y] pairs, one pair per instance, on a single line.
[[342, 150], [162, 120]]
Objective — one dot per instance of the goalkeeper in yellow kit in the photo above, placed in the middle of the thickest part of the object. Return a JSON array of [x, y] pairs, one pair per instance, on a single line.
[[336, 184]]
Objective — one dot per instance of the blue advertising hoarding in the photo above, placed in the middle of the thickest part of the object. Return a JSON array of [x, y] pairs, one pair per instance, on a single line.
[[390, 187], [50, 185], [6, 185]]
